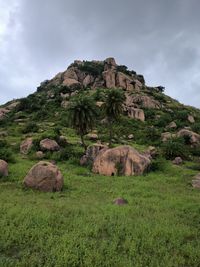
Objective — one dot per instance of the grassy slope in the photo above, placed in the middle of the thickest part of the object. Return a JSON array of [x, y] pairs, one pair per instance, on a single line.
[[81, 227]]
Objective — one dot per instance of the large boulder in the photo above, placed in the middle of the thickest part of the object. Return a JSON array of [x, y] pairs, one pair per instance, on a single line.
[[124, 81], [26, 146], [72, 83], [192, 137], [122, 160], [49, 145], [91, 153], [3, 168], [44, 176]]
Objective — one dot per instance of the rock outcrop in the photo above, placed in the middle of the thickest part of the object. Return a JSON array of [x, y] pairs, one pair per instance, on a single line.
[[44, 176], [123, 160], [49, 145], [3, 168]]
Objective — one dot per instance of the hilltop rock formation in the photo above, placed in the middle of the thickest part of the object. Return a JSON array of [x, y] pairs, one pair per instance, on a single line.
[[123, 160], [44, 176], [95, 74]]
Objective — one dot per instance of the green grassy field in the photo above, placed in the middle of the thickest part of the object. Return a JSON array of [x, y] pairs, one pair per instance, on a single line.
[[160, 225]]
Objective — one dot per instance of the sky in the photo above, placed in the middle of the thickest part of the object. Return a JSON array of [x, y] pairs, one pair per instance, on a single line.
[[157, 38]]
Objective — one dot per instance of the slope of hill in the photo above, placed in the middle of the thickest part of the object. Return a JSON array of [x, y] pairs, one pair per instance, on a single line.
[[80, 226]]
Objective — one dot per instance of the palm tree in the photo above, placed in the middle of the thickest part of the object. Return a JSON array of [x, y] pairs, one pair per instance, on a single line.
[[82, 114], [113, 108]]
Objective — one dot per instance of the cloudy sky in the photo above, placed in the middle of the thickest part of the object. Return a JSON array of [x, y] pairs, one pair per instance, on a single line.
[[157, 38]]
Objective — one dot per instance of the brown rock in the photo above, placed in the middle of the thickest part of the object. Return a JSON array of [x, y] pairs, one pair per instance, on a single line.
[[123, 160], [192, 137], [49, 145], [26, 146], [91, 153], [3, 168], [136, 113], [44, 176], [196, 181]]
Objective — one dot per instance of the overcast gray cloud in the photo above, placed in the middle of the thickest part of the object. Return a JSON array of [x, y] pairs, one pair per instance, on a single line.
[[158, 38]]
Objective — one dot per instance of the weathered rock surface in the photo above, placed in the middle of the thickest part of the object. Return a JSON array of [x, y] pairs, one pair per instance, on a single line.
[[44, 176], [91, 153], [26, 146], [122, 160], [3, 168], [49, 145], [192, 137]]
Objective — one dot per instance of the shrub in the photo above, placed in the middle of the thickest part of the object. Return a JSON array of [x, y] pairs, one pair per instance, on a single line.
[[174, 148], [92, 68], [158, 164], [182, 115], [31, 127], [6, 152]]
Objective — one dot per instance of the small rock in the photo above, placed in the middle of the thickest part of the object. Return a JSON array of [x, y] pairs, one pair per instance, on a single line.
[[130, 136], [120, 201], [26, 146], [92, 136], [177, 161]]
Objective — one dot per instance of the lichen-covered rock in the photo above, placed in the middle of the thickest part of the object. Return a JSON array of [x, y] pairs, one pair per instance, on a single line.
[[44, 176], [3, 168], [122, 160]]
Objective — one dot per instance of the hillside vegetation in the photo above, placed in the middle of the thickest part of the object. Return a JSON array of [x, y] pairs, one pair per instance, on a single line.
[[80, 226]]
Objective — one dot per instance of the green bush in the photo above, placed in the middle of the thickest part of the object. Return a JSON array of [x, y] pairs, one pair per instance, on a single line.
[[31, 127], [174, 148], [5, 152], [92, 68], [158, 164]]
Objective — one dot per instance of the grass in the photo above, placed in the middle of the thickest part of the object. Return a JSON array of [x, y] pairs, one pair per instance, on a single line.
[[80, 226]]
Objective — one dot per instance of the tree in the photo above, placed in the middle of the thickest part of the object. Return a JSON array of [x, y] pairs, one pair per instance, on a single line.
[[113, 108], [82, 114]]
